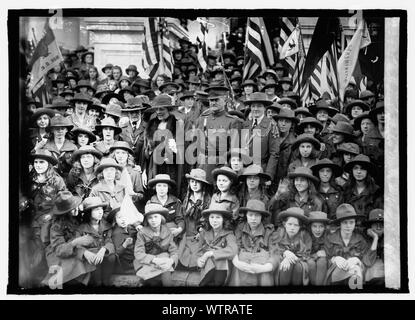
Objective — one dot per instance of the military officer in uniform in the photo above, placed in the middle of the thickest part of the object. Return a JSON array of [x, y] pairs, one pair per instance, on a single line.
[[259, 135]]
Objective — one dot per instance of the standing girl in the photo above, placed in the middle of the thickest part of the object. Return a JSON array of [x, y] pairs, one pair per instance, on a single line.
[[253, 185], [107, 130], [217, 246], [293, 247], [305, 152], [256, 260]]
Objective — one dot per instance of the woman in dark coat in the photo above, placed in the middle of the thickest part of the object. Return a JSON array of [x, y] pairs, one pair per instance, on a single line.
[[40, 120]]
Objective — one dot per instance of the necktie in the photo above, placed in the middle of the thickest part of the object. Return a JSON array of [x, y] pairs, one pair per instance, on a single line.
[[255, 123]]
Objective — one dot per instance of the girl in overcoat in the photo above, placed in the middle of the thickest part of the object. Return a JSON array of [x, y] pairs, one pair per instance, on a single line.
[[253, 185], [348, 253], [326, 171], [101, 251], [305, 152], [82, 136], [217, 246], [155, 251], [66, 248], [256, 259], [293, 246], [82, 176], [40, 120], [163, 187], [301, 193], [345, 152]]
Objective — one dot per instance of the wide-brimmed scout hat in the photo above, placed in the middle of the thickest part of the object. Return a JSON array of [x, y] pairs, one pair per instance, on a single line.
[[107, 163], [141, 83], [288, 80], [270, 72], [84, 84], [323, 105], [93, 202], [362, 160], [366, 94], [108, 122], [255, 205], [360, 103], [81, 97], [102, 89], [240, 153], [85, 130], [290, 101], [40, 112], [44, 155], [249, 82], [111, 215], [286, 114], [60, 121], [346, 211], [86, 150], [113, 109], [294, 212], [169, 86], [198, 175], [126, 89], [349, 147], [219, 208], [254, 170], [274, 106], [303, 172], [59, 103], [344, 128], [318, 216], [161, 178], [309, 120], [65, 202], [306, 137], [85, 54], [135, 104], [326, 163], [162, 101], [106, 98], [303, 110], [124, 145], [66, 92], [258, 97], [131, 67], [226, 171], [153, 208], [97, 105], [375, 215], [339, 117], [270, 84], [107, 66], [187, 94], [194, 80], [358, 120]]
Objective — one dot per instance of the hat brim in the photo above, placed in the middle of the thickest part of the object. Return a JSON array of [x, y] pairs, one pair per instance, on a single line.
[[260, 174], [337, 170], [103, 166], [357, 216], [322, 220], [363, 105], [154, 181], [73, 100], [122, 148], [290, 102], [331, 111], [264, 102], [99, 127], [164, 213], [231, 175], [106, 99], [102, 205], [285, 214], [293, 119], [51, 159], [91, 136], [111, 215], [78, 153], [370, 167], [226, 214], [134, 109], [314, 142], [302, 125], [246, 209], [303, 175], [39, 112], [69, 127], [188, 176], [369, 222], [343, 132], [76, 203]]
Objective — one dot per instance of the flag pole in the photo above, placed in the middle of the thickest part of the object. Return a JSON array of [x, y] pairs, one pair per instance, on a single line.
[[246, 41]]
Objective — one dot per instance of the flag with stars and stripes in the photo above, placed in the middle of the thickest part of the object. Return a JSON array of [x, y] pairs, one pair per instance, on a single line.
[[201, 43]]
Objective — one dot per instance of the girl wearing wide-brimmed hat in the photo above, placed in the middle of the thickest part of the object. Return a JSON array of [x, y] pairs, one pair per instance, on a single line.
[[375, 274], [59, 144], [109, 188], [347, 250], [45, 185], [67, 245], [108, 130], [305, 152], [345, 153], [80, 117], [256, 259], [163, 193], [317, 264], [40, 120], [252, 186], [301, 193], [217, 246], [225, 192], [82, 176], [155, 251], [101, 251], [361, 191], [293, 248], [82, 136], [327, 172], [342, 132]]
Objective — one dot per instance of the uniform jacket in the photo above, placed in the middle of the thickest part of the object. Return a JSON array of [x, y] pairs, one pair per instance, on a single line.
[[300, 244], [64, 155], [365, 201], [112, 197], [125, 255], [173, 205], [285, 156], [333, 198], [135, 137], [231, 200], [102, 237], [244, 196], [317, 243], [79, 185], [268, 134]]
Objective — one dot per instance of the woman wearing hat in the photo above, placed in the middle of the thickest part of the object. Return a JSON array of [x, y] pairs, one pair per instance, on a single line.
[[92, 76], [342, 132], [59, 144], [375, 274], [301, 193], [293, 247], [317, 264], [155, 251], [323, 111], [284, 86], [107, 131], [217, 246], [40, 121], [95, 111], [163, 186], [238, 159], [285, 123], [361, 191], [305, 152], [253, 181], [347, 250], [196, 200], [82, 176], [270, 90], [327, 172], [248, 87], [132, 72], [109, 188], [67, 245], [356, 108], [80, 118], [82, 136], [101, 251], [256, 260], [225, 181], [45, 185], [130, 178]]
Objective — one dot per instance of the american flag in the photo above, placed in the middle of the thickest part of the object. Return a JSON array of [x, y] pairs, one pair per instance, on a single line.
[[258, 49], [290, 35], [202, 46]]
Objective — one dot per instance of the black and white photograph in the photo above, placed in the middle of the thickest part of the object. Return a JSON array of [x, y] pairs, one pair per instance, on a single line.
[[157, 151]]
